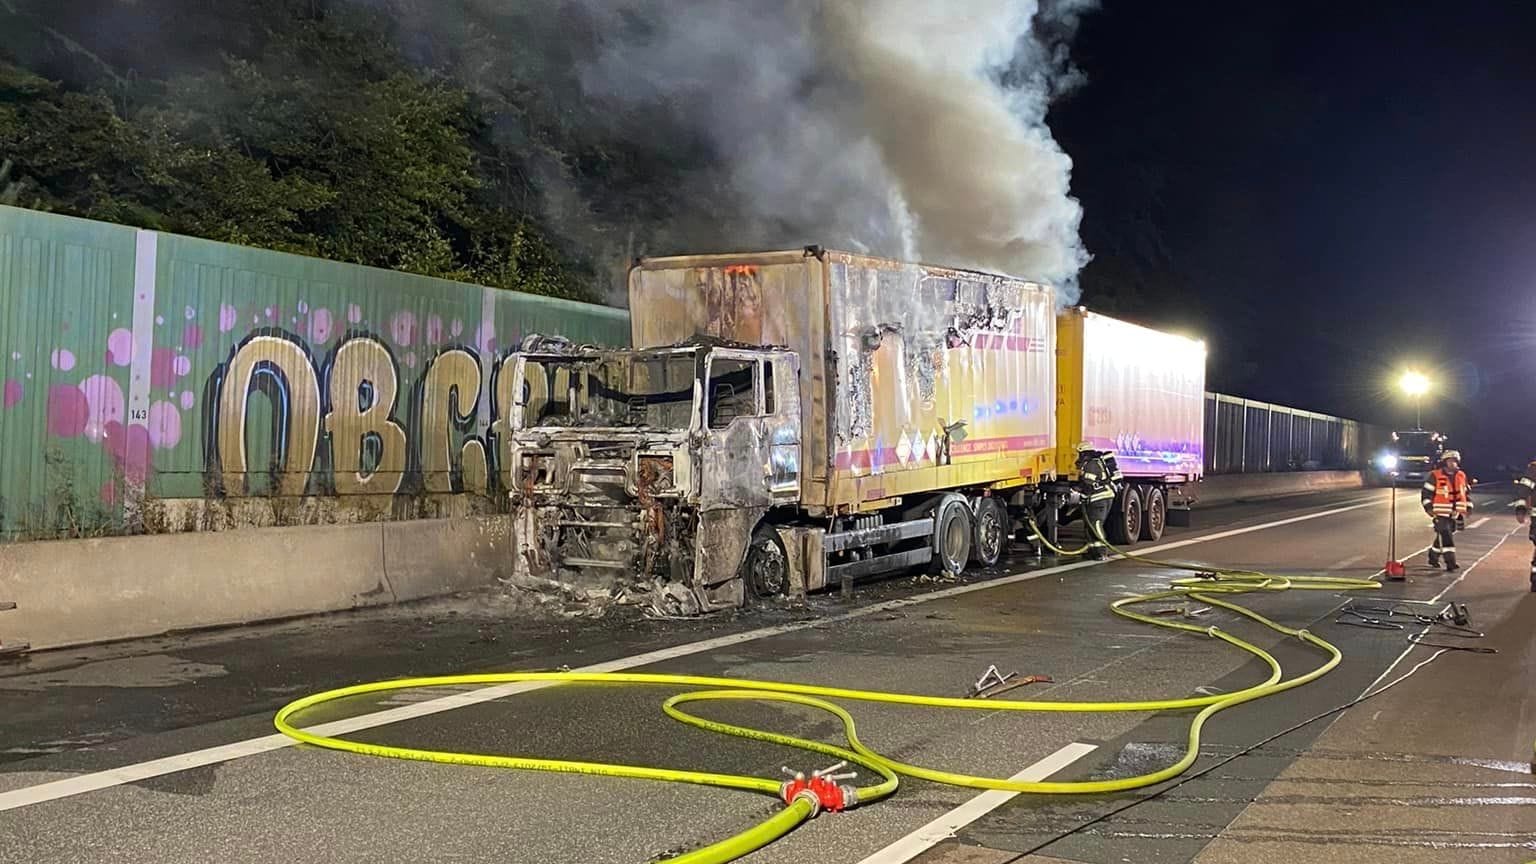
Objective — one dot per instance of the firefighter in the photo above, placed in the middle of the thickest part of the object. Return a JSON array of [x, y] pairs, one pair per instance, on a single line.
[[1446, 500], [1525, 487], [1100, 477]]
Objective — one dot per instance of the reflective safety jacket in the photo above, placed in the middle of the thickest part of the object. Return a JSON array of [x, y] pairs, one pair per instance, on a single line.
[[1099, 474], [1446, 494]]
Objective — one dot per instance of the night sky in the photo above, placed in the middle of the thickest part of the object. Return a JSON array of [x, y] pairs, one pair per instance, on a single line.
[[1327, 193]]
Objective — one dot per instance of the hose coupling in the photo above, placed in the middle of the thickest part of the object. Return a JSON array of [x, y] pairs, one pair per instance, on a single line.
[[821, 789]]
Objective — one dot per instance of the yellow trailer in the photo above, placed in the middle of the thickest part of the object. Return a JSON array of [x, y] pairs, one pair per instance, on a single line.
[[1140, 394]]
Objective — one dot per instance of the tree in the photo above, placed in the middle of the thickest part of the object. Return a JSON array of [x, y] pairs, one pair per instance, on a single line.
[[309, 133]]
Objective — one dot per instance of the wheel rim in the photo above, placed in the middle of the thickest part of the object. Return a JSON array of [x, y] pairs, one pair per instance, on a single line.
[[1132, 516], [1156, 515], [769, 575], [989, 534]]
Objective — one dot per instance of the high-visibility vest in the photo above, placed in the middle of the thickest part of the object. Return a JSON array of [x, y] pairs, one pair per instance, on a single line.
[[1100, 478], [1446, 494]]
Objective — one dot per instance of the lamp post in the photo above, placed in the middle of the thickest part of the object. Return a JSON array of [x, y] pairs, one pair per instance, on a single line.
[[1415, 384]]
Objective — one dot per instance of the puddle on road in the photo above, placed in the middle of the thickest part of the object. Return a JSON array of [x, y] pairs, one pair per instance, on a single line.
[[154, 670]]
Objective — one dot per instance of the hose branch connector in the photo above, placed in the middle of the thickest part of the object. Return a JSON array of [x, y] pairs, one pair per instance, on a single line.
[[821, 789]]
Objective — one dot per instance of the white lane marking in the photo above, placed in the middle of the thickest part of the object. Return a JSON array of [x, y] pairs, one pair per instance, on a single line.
[[1345, 563], [945, 826], [79, 785], [1436, 599], [1479, 523]]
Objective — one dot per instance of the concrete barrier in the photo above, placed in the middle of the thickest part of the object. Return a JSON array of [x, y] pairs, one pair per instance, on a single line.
[[71, 592], [1228, 488]]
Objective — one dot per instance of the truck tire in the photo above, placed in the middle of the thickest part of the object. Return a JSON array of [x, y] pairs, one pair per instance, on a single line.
[[765, 570], [952, 537], [989, 533], [1154, 517], [1123, 527]]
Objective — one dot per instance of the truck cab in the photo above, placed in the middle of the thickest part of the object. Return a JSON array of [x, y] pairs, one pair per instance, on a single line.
[[1412, 455], [633, 466]]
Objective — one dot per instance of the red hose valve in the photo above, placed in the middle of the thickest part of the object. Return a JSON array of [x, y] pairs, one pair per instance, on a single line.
[[821, 789]]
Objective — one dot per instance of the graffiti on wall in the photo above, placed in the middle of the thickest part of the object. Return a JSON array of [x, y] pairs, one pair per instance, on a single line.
[[299, 410], [346, 425]]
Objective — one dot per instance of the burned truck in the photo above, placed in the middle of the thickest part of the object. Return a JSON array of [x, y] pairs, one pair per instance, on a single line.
[[785, 420]]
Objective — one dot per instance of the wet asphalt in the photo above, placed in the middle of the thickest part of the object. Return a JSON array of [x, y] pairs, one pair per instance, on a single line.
[[1439, 763]]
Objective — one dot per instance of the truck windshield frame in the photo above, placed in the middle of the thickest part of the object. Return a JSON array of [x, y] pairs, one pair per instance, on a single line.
[[654, 390], [1417, 443]]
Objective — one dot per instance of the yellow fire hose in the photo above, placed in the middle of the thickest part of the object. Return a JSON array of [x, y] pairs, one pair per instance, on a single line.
[[803, 803]]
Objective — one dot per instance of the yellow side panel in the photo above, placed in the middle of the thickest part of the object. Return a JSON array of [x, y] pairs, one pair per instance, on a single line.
[[1069, 388], [920, 349]]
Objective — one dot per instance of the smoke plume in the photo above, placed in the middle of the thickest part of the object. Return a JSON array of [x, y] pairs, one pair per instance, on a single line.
[[908, 128]]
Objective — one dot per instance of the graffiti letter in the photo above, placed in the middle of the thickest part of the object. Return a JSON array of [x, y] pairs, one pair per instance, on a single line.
[[280, 367], [363, 385], [502, 423], [450, 396]]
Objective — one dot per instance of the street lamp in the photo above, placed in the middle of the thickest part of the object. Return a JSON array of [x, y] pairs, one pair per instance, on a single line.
[[1415, 384]]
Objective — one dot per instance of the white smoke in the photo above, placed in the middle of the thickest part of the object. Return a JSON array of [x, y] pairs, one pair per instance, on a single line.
[[910, 128], [914, 129]]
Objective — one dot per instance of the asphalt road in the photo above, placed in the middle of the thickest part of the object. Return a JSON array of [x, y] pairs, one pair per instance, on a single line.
[[1435, 769]]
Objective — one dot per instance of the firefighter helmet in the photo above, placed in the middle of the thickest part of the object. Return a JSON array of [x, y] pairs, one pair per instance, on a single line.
[[1449, 455]]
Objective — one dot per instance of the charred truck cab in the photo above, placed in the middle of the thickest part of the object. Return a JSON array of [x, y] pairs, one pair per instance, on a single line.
[[649, 462], [788, 421]]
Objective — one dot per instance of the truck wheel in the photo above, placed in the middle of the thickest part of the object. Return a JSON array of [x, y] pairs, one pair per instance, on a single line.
[[1124, 523], [989, 536], [1155, 515], [952, 537], [766, 568]]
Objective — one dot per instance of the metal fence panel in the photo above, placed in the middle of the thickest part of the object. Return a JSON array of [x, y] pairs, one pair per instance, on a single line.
[[65, 311], [1247, 436], [141, 366]]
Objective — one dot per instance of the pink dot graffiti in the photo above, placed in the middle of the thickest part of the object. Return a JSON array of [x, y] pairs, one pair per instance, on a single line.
[[164, 426], [129, 448], [227, 317], [63, 359], [320, 325], [120, 347], [354, 313], [187, 400], [410, 359], [182, 365], [303, 307], [13, 392], [403, 327], [104, 397], [457, 329], [485, 338], [192, 337], [67, 411], [162, 368], [189, 313], [435, 330]]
